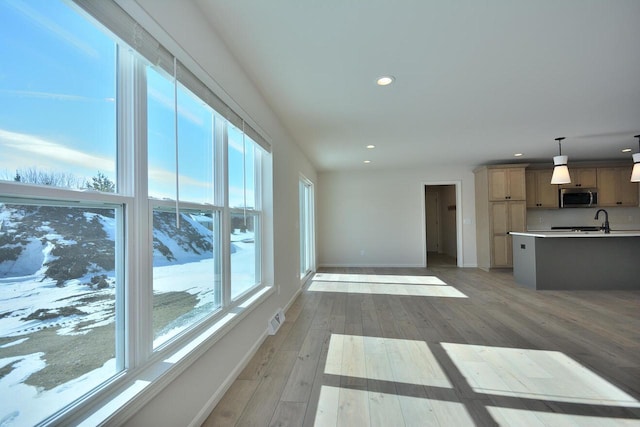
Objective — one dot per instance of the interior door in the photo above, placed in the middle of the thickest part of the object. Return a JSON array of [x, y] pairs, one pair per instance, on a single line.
[[433, 222]]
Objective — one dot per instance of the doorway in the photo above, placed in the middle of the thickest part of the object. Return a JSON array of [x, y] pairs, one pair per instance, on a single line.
[[441, 224], [307, 228]]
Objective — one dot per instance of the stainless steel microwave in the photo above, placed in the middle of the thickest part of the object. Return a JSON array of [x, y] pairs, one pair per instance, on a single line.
[[578, 197]]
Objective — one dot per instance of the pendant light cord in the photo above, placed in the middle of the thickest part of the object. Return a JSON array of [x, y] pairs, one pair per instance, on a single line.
[[560, 145]]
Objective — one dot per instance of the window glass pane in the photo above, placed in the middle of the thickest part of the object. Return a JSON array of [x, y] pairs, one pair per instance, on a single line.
[[245, 258], [161, 135], [195, 145], [241, 169], [195, 142], [57, 307], [186, 278], [57, 96]]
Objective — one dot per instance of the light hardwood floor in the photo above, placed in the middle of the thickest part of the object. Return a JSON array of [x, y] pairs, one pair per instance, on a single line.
[[434, 259], [448, 346]]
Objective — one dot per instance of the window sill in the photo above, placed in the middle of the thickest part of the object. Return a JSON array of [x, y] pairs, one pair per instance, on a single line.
[[149, 381]]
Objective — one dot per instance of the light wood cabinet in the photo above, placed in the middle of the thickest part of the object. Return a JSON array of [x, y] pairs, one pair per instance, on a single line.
[[501, 207], [506, 184], [615, 187], [505, 217], [541, 194], [582, 177]]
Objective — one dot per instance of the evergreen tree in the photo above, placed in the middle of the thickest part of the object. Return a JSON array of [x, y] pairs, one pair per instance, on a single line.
[[101, 182]]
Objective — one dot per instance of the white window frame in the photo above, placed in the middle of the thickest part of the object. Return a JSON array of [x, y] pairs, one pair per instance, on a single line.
[[306, 228], [147, 371], [258, 223]]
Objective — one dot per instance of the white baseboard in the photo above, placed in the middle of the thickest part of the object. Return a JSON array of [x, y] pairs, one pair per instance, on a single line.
[[208, 408], [286, 307], [372, 265], [213, 401]]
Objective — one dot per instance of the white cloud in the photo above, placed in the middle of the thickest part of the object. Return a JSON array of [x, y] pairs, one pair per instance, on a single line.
[[25, 150], [21, 150], [56, 96]]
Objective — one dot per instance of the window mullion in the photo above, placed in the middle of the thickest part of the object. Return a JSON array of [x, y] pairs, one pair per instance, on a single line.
[[222, 135], [244, 175], [257, 201], [132, 130], [124, 113], [175, 128]]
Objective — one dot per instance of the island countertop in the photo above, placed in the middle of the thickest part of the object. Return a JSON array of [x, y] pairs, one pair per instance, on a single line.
[[553, 234]]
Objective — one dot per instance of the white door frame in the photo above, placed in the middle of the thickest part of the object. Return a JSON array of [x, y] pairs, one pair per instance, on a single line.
[[459, 251]]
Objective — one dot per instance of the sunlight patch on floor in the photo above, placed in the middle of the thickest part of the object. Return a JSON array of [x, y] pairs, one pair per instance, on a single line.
[[378, 284], [529, 418], [339, 406], [534, 374], [387, 289], [379, 278], [385, 359]]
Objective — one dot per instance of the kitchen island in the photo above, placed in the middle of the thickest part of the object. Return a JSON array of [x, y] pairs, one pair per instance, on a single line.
[[570, 260]]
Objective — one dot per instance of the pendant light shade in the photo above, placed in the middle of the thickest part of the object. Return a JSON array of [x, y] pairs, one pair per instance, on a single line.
[[560, 169], [635, 174]]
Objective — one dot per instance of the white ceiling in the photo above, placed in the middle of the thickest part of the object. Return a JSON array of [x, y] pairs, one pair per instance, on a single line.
[[476, 80]]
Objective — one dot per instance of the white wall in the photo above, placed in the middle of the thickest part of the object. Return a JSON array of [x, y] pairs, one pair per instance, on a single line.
[[179, 26], [376, 218]]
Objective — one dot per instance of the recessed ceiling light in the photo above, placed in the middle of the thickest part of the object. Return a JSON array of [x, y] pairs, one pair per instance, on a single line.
[[518, 155], [367, 161], [385, 80], [626, 150], [370, 146]]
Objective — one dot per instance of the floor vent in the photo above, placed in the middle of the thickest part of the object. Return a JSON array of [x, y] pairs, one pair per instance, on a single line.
[[276, 321]]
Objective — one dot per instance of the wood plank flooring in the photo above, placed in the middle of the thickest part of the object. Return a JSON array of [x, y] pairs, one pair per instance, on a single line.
[[395, 347]]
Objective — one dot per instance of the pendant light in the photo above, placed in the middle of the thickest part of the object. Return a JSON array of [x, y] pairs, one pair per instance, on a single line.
[[635, 174], [560, 169]]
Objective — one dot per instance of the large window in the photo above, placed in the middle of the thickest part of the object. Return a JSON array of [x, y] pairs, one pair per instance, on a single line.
[[244, 155], [182, 164], [307, 245], [122, 177], [60, 281]]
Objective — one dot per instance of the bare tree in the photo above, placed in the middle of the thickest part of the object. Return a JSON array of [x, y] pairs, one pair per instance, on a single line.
[[52, 178]]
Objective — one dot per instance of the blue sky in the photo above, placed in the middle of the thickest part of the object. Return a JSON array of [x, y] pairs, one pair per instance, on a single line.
[[58, 109]]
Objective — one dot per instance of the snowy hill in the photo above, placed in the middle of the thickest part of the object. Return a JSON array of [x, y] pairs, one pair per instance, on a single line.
[[58, 296], [65, 243]]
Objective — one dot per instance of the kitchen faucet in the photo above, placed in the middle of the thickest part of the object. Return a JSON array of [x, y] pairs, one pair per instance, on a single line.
[[605, 226]]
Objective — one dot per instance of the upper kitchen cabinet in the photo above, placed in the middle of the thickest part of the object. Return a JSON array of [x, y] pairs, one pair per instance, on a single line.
[[541, 193], [506, 182], [615, 187], [582, 177]]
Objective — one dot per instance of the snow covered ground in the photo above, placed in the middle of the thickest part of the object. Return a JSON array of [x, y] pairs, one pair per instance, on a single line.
[[78, 309]]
